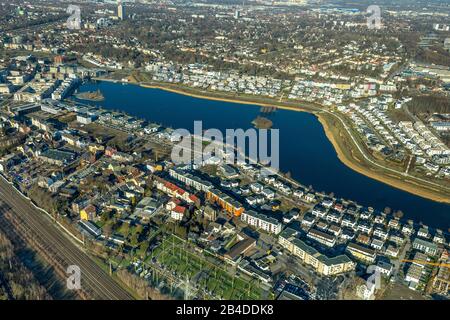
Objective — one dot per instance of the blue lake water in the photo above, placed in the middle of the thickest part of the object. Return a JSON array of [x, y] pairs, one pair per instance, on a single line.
[[305, 151]]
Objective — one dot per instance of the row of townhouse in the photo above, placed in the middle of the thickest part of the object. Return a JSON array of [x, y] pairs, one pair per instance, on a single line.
[[417, 272], [262, 187], [364, 221], [415, 137], [322, 237], [220, 81], [376, 116], [382, 239], [425, 246], [362, 125], [261, 221], [229, 204], [66, 87], [361, 252], [174, 191], [191, 180], [421, 140], [319, 91], [268, 185]]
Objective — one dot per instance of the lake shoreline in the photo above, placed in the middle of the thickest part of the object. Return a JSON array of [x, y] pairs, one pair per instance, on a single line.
[[315, 109]]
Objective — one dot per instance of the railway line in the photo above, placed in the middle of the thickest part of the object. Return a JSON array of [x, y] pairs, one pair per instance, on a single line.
[[63, 248]]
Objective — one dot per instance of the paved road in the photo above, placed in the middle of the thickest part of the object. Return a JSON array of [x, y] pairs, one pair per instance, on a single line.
[[92, 276], [413, 116]]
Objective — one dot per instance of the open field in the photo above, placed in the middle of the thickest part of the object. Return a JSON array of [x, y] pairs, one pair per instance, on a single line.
[[399, 291]]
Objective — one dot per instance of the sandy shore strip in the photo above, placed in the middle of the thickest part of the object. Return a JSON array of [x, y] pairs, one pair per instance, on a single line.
[[205, 96]]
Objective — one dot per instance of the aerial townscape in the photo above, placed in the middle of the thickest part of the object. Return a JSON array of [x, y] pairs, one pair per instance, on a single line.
[[92, 93]]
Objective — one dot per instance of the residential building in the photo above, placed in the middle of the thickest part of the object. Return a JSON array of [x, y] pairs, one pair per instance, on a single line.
[[425, 246], [174, 191], [319, 211], [392, 251], [229, 204], [57, 157], [384, 268], [414, 275], [322, 264], [177, 213], [88, 213], [191, 180], [377, 244], [322, 237], [120, 10], [261, 221], [362, 253]]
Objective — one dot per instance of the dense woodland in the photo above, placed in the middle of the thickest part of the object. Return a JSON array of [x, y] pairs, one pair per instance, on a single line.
[[429, 105], [435, 55]]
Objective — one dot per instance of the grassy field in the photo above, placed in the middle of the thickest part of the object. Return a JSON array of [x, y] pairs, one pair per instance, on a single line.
[[197, 266]]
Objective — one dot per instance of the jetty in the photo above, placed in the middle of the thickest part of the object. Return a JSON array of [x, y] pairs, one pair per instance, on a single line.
[[267, 109]]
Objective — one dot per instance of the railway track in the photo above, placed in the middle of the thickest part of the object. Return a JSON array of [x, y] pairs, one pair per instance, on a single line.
[[60, 246]]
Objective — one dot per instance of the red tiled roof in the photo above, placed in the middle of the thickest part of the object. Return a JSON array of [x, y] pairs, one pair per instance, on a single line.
[[175, 200], [194, 198], [174, 188], [179, 209], [90, 209]]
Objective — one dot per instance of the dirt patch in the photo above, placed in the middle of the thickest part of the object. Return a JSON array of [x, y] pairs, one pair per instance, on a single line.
[[399, 291]]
